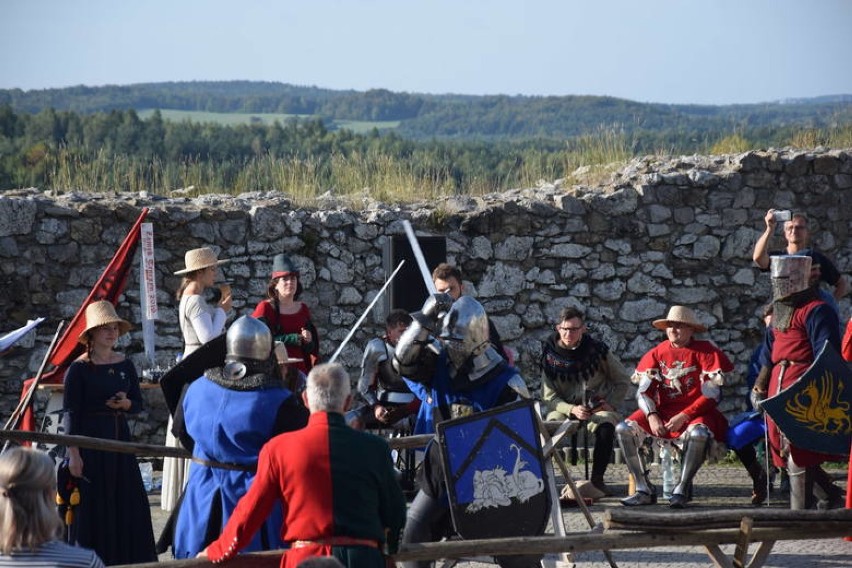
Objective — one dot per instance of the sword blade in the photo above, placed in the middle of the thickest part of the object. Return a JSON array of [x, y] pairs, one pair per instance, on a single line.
[[364, 315], [418, 255]]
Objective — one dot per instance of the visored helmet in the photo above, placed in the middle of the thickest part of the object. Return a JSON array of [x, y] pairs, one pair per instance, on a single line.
[[790, 274], [465, 331], [248, 339]]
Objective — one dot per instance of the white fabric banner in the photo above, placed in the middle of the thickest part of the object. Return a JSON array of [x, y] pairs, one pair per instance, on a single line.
[[148, 289]]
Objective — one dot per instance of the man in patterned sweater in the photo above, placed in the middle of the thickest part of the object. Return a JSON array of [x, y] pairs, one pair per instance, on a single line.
[[337, 485]]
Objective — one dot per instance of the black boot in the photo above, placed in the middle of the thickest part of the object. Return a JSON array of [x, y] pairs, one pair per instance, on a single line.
[[604, 442], [759, 490], [831, 496]]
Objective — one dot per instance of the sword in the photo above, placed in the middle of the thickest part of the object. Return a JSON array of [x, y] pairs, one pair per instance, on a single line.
[[418, 255], [367, 311]]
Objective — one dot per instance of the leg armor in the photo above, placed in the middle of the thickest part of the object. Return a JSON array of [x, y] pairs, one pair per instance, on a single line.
[[801, 485], [425, 515], [630, 437], [694, 452]]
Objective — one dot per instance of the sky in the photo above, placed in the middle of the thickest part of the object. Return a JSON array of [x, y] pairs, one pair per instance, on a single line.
[[667, 51]]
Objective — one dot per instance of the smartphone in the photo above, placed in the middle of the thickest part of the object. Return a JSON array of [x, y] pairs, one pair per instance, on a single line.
[[782, 215]]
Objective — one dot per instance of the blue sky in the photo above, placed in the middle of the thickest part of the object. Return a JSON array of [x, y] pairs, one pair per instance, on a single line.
[[670, 51]]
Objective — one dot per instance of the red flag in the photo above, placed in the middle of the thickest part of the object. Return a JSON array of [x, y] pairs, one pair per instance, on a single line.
[[110, 286]]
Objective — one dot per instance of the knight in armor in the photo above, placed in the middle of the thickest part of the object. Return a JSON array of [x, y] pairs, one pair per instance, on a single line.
[[446, 350], [386, 397], [678, 391], [583, 380], [225, 417], [802, 323]]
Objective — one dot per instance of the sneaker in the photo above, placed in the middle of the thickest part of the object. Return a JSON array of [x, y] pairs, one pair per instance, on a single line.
[[639, 498]]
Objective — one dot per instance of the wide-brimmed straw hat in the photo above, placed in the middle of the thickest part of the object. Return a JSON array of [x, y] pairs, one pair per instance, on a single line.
[[197, 259], [282, 356], [101, 313], [680, 314]]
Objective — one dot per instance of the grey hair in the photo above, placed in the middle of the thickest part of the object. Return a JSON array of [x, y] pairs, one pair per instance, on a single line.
[[28, 516], [328, 387]]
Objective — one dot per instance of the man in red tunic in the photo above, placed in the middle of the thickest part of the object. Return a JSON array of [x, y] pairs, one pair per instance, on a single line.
[[679, 386], [802, 323], [337, 485]]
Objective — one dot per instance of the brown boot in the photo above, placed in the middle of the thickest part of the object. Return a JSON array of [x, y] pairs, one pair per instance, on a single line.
[[759, 491]]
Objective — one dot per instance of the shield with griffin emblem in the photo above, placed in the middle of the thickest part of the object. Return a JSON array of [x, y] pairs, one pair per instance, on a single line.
[[813, 412], [495, 472]]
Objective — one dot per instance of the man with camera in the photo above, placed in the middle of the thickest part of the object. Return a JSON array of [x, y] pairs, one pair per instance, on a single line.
[[584, 381], [798, 238]]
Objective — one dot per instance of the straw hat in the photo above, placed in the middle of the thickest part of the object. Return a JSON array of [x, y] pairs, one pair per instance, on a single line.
[[680, 314], [584, 488], [199, 258], [101, 313], [282, 356]]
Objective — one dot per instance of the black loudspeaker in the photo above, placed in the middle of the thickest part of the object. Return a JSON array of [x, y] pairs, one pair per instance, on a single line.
[[408, 291]]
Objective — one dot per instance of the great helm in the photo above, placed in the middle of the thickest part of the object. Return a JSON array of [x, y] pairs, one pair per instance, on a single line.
[[790, 274], [465, 331], [248, 339]]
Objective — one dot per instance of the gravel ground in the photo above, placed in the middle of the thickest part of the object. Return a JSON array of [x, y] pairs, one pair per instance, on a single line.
[[717, 486]]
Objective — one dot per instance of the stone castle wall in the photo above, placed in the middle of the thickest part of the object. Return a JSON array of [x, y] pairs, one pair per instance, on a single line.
[[661, 232]]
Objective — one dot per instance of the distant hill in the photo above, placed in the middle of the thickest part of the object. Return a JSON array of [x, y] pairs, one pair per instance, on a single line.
[[422, 116]]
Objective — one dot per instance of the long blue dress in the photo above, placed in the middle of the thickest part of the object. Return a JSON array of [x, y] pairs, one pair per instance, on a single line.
[[114, 516], [229, 425]]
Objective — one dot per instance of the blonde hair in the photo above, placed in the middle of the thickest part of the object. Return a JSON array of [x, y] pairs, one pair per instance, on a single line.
[[28, 516]]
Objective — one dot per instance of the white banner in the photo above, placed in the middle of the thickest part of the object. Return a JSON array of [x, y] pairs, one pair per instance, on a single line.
[[148, 290]]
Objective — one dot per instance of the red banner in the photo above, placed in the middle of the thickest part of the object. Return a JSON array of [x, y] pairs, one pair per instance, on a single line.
[[110, 286]]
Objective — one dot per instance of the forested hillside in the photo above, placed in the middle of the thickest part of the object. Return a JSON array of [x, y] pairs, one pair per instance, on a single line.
[[407, 145], [443, 116]]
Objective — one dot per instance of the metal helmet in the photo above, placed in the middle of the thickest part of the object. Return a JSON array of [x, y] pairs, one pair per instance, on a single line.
[[248, 339], [790, 274], [465, 331]]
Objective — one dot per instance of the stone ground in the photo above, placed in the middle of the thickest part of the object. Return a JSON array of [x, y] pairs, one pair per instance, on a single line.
[[717, 486]]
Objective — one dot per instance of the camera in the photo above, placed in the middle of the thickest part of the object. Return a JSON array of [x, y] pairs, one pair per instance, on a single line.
[[782, 215]]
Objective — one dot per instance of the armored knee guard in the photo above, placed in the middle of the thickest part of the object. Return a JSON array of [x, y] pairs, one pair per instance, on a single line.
[[630, 438], [694, 453]]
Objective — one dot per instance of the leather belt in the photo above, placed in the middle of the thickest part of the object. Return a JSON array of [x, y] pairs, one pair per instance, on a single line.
[[336, 541], [252, 468]]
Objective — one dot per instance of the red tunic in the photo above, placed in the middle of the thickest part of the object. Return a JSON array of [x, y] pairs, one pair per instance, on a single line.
[[285, 324], [677, 375], [846, 348], [794, 345], [335, 483]]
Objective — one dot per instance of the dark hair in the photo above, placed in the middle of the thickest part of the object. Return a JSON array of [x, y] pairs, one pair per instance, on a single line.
[[270, 288], [570, 313], [397, 317], [445, 271]]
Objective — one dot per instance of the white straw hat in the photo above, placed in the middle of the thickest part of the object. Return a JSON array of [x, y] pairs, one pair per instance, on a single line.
[[680, 314], [199, 258], [101, 313]]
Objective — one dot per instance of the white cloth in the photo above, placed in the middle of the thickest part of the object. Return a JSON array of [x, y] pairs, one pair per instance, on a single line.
[[13, 337], [199, 323]]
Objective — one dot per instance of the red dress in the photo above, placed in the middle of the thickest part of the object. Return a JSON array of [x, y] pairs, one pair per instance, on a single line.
[[285, 326], [677, 374]]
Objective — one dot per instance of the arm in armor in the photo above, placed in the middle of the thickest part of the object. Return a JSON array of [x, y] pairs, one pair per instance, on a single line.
[[417, 351], [645, 394], [374, 354]]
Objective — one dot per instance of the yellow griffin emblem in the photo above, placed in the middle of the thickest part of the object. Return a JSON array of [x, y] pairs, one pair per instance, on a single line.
[[819, 408]]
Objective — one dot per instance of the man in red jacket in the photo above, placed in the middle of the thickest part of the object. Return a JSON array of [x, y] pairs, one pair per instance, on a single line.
[[337, 485]]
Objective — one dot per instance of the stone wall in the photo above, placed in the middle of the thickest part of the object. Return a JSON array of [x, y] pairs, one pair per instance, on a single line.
[[660, 232]]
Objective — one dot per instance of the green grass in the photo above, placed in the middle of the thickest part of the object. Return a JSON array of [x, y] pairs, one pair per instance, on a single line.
[[238, 118]]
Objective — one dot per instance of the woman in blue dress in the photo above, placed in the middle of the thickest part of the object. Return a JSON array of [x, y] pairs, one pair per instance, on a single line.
[[101, 388]]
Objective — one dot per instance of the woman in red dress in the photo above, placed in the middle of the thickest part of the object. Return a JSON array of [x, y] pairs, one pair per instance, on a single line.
[[287, 317]]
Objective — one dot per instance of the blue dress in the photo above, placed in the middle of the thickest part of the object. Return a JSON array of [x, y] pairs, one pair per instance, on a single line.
[[229, 426], [114, 516]]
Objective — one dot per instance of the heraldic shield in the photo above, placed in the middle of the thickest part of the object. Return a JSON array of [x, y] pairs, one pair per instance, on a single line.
[[495, 472], [813, 412]]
